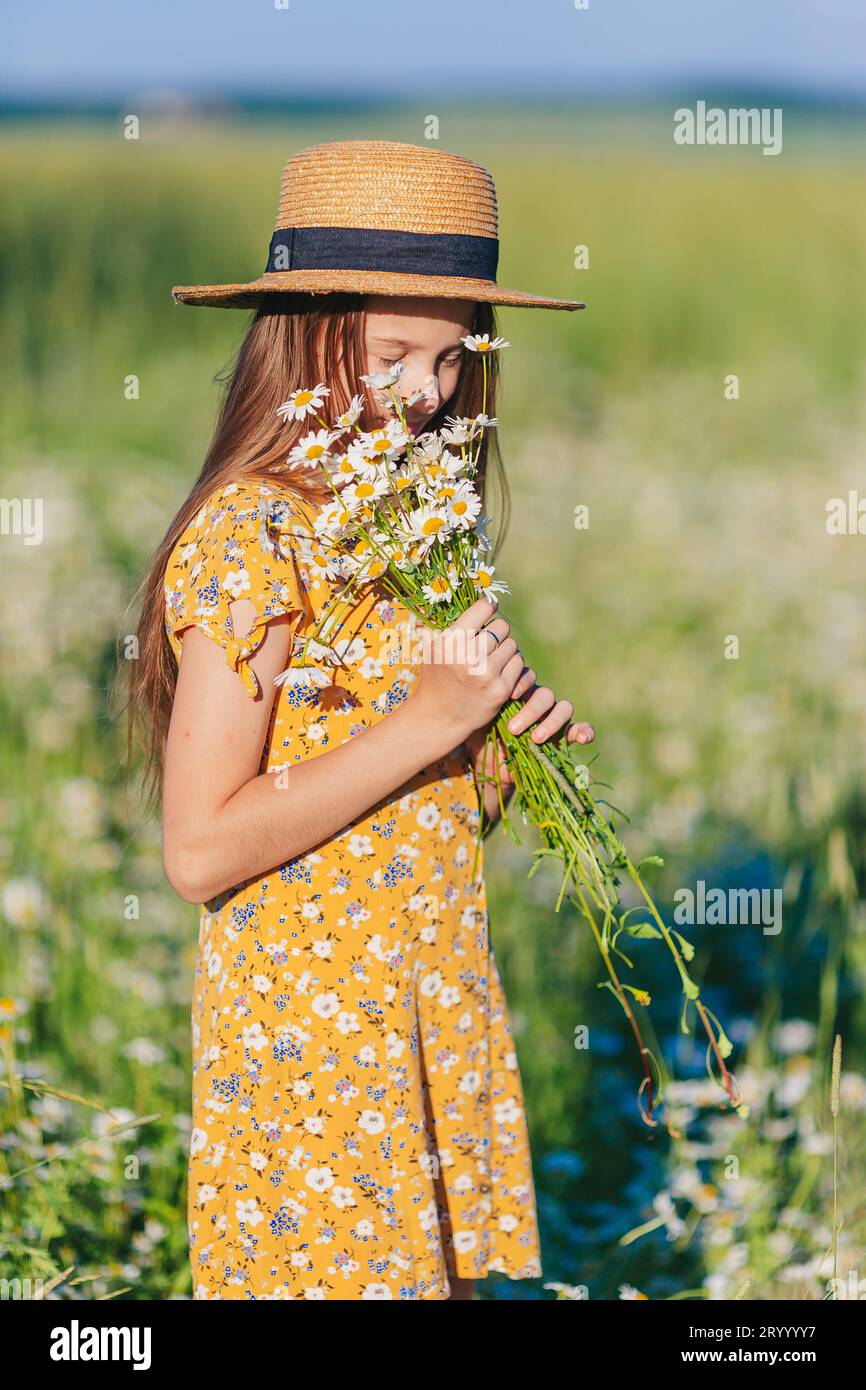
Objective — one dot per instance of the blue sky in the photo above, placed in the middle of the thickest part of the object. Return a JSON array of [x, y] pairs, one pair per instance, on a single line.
[[428, 48]]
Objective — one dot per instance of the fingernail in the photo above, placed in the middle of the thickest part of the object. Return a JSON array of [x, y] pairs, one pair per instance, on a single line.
[[514, 725]]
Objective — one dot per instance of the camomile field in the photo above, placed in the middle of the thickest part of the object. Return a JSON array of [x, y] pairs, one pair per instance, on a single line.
[[671, 453]]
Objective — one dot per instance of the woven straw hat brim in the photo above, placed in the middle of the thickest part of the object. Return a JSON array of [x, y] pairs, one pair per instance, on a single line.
[[250, 295]]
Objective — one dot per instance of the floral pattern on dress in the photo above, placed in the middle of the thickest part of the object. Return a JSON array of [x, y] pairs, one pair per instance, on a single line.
[[358, 1119]]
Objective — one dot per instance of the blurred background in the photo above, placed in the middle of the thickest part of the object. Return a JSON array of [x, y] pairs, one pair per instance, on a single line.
[[740, 764]]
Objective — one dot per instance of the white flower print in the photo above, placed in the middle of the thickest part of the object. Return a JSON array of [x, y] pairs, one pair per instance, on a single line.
[[507, 1112], [371, 1121], [326, 1005], [370, 668], [464, 1241], [197, 1140], [320, 1179], [255, 1037], [237, 582], [248, 1212]]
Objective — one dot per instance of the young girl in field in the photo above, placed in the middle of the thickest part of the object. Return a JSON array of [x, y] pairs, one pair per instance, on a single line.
[[358, 1120]]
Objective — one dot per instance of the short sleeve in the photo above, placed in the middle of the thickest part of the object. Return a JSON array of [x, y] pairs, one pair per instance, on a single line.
[[231, 551]]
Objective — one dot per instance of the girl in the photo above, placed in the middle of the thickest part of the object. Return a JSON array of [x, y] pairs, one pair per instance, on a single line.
[[358, 1120]]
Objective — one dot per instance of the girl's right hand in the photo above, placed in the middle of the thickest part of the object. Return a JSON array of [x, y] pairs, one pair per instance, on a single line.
[[466, 677]]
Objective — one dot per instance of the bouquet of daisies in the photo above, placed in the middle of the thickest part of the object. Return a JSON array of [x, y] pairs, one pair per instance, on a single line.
[[407, 517]]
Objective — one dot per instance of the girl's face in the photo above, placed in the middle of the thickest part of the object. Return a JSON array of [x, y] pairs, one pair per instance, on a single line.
[[423, 334]]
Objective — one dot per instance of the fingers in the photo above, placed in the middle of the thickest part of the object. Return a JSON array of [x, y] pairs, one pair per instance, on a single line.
[[524, 684], [560, 712], [550, 716], [480, 612], [512, 661], [499, 627], [540, 703]]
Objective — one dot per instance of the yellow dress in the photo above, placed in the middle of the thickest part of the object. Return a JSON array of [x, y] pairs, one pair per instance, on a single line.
[[358, 1117]]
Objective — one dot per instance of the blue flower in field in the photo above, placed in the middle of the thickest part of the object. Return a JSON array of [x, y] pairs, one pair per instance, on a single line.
[[562, 1163]]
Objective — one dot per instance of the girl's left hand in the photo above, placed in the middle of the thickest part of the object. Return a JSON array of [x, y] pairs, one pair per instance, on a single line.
[[540, 708]]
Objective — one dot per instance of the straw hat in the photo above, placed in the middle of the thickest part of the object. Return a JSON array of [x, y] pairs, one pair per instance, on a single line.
[[377, 217]]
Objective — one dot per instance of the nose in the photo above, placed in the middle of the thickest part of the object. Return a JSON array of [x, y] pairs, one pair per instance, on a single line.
[[427, 404]]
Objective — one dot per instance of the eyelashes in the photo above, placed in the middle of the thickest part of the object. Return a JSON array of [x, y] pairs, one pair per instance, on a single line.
[[449, 362]]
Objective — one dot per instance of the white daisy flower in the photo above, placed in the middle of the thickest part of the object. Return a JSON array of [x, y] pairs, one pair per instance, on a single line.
[[24, 902], [304, 676], [429, 524], [332, 519], [473, 423], [463, 507], [340, 467], [438, 590], [379, 443], [429, 444], [481, 342], [351, 416], [363, 492], [303, 402], [381, 380], [322, 564], [312, 450], [482, 579]]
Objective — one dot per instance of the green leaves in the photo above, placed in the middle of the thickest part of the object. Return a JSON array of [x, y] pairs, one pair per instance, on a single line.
[[651, 861]]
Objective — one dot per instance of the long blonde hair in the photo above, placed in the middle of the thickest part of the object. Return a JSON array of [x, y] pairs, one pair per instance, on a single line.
[[293, 340]]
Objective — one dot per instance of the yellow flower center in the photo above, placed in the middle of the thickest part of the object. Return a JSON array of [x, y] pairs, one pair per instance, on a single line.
[[303, 398], [432, 525], [439, 585]]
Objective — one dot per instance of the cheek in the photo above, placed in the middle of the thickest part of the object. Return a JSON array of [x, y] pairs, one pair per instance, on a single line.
[[448, 378]]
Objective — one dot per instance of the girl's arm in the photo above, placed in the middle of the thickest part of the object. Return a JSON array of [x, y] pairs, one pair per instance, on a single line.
[[224, 822]]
